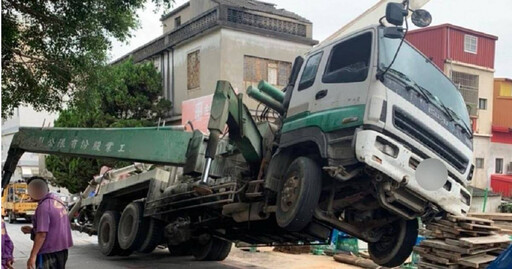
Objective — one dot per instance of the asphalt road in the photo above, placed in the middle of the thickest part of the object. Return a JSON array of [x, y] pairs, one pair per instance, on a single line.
[[85, 255]]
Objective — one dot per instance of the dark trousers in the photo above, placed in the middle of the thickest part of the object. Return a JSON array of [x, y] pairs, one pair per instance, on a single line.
[[54, 260]]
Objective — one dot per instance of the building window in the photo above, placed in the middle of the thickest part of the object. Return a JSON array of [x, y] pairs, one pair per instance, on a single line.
[[506, 90], [499, 166], [468, 87], [482, 103], [193, 70], [479, 163], [470, 44], [177, 21], [272, 71]]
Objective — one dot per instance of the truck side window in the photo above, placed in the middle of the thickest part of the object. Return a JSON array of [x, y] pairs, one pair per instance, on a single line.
[[349, 61], [308, 75]]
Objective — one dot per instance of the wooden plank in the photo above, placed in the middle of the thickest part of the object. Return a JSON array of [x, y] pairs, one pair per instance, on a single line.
[[429, 265], [454, 242], [493, 216], [436, 259], [486, 250], [446, 222], [453, 256], [472, 226], [468, 219], [442, 245], [492, 239], [439, 227], [421, 250], [476, 261]]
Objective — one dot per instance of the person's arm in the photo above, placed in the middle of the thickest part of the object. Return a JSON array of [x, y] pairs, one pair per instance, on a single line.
[[42, 226], [38, 243]]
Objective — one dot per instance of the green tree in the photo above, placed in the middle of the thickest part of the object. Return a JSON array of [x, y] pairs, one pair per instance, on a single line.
[[50, 46], [122, 95]]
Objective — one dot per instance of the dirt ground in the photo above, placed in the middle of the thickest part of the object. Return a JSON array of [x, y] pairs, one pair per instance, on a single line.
[[267, 258]]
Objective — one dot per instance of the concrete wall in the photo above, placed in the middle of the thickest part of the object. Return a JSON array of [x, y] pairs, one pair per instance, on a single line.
[[503, 151], [221, 54], [195, 8], [210, 57], [482, 149], [485, 90], [235, 45], [493, 202], [482, 134]]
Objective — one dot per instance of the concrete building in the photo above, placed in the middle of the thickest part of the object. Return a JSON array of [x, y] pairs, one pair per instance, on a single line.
[[467, 57], [30, 164], [501, 140], [240, 41]]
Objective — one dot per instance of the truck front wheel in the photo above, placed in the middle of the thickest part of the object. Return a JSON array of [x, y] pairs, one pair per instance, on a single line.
[[299, 194], [396, 243]]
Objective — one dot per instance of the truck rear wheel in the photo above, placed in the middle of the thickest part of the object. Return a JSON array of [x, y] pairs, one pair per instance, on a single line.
[[107, 235], [214, 250], [133, 228], [299, 194], [153, 236], [396, 244]]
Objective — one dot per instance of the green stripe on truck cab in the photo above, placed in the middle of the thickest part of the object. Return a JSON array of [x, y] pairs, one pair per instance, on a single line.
[[327, 120]]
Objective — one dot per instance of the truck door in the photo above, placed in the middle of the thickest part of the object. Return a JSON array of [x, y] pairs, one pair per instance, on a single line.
[[345, 78], [304, 90]]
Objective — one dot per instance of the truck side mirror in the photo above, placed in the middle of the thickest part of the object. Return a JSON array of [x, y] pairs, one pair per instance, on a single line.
[[395, 13], [421, 18]]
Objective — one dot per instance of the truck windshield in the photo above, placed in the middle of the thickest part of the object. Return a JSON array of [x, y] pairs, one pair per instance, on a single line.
[[413, 66]]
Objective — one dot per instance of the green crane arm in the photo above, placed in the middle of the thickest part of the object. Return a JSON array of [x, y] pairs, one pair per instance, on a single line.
[[164, 145]]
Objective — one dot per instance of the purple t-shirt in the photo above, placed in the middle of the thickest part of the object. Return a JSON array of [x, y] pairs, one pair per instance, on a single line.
[[52, 217], [7, 247]]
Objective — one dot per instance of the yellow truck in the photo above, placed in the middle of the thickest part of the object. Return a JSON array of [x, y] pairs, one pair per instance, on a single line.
[[16, 203]]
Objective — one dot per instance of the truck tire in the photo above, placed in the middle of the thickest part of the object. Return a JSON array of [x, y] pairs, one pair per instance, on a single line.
[[299, 194], [133, 227], [215, 250], [153, 236], [396, 244], [11, 217], [107, 235]]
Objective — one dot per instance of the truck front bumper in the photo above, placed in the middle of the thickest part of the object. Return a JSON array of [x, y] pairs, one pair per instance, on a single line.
[[399, 164]]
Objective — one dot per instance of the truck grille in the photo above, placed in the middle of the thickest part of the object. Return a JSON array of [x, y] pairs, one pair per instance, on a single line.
[[407, 124]]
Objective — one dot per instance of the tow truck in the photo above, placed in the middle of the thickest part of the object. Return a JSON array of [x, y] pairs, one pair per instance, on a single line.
[[16, 203], [369, 136]]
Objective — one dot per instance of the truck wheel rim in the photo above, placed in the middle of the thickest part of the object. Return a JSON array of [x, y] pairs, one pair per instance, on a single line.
[[289, 193]]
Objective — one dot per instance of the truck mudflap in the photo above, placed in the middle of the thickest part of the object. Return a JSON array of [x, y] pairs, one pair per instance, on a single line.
[[399, 164]]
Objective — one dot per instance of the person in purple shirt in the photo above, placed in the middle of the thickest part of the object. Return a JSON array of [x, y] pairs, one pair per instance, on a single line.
[[51, 229], [7, 248]]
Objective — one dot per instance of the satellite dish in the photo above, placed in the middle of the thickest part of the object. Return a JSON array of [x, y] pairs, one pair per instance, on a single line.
[[421, 18]]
